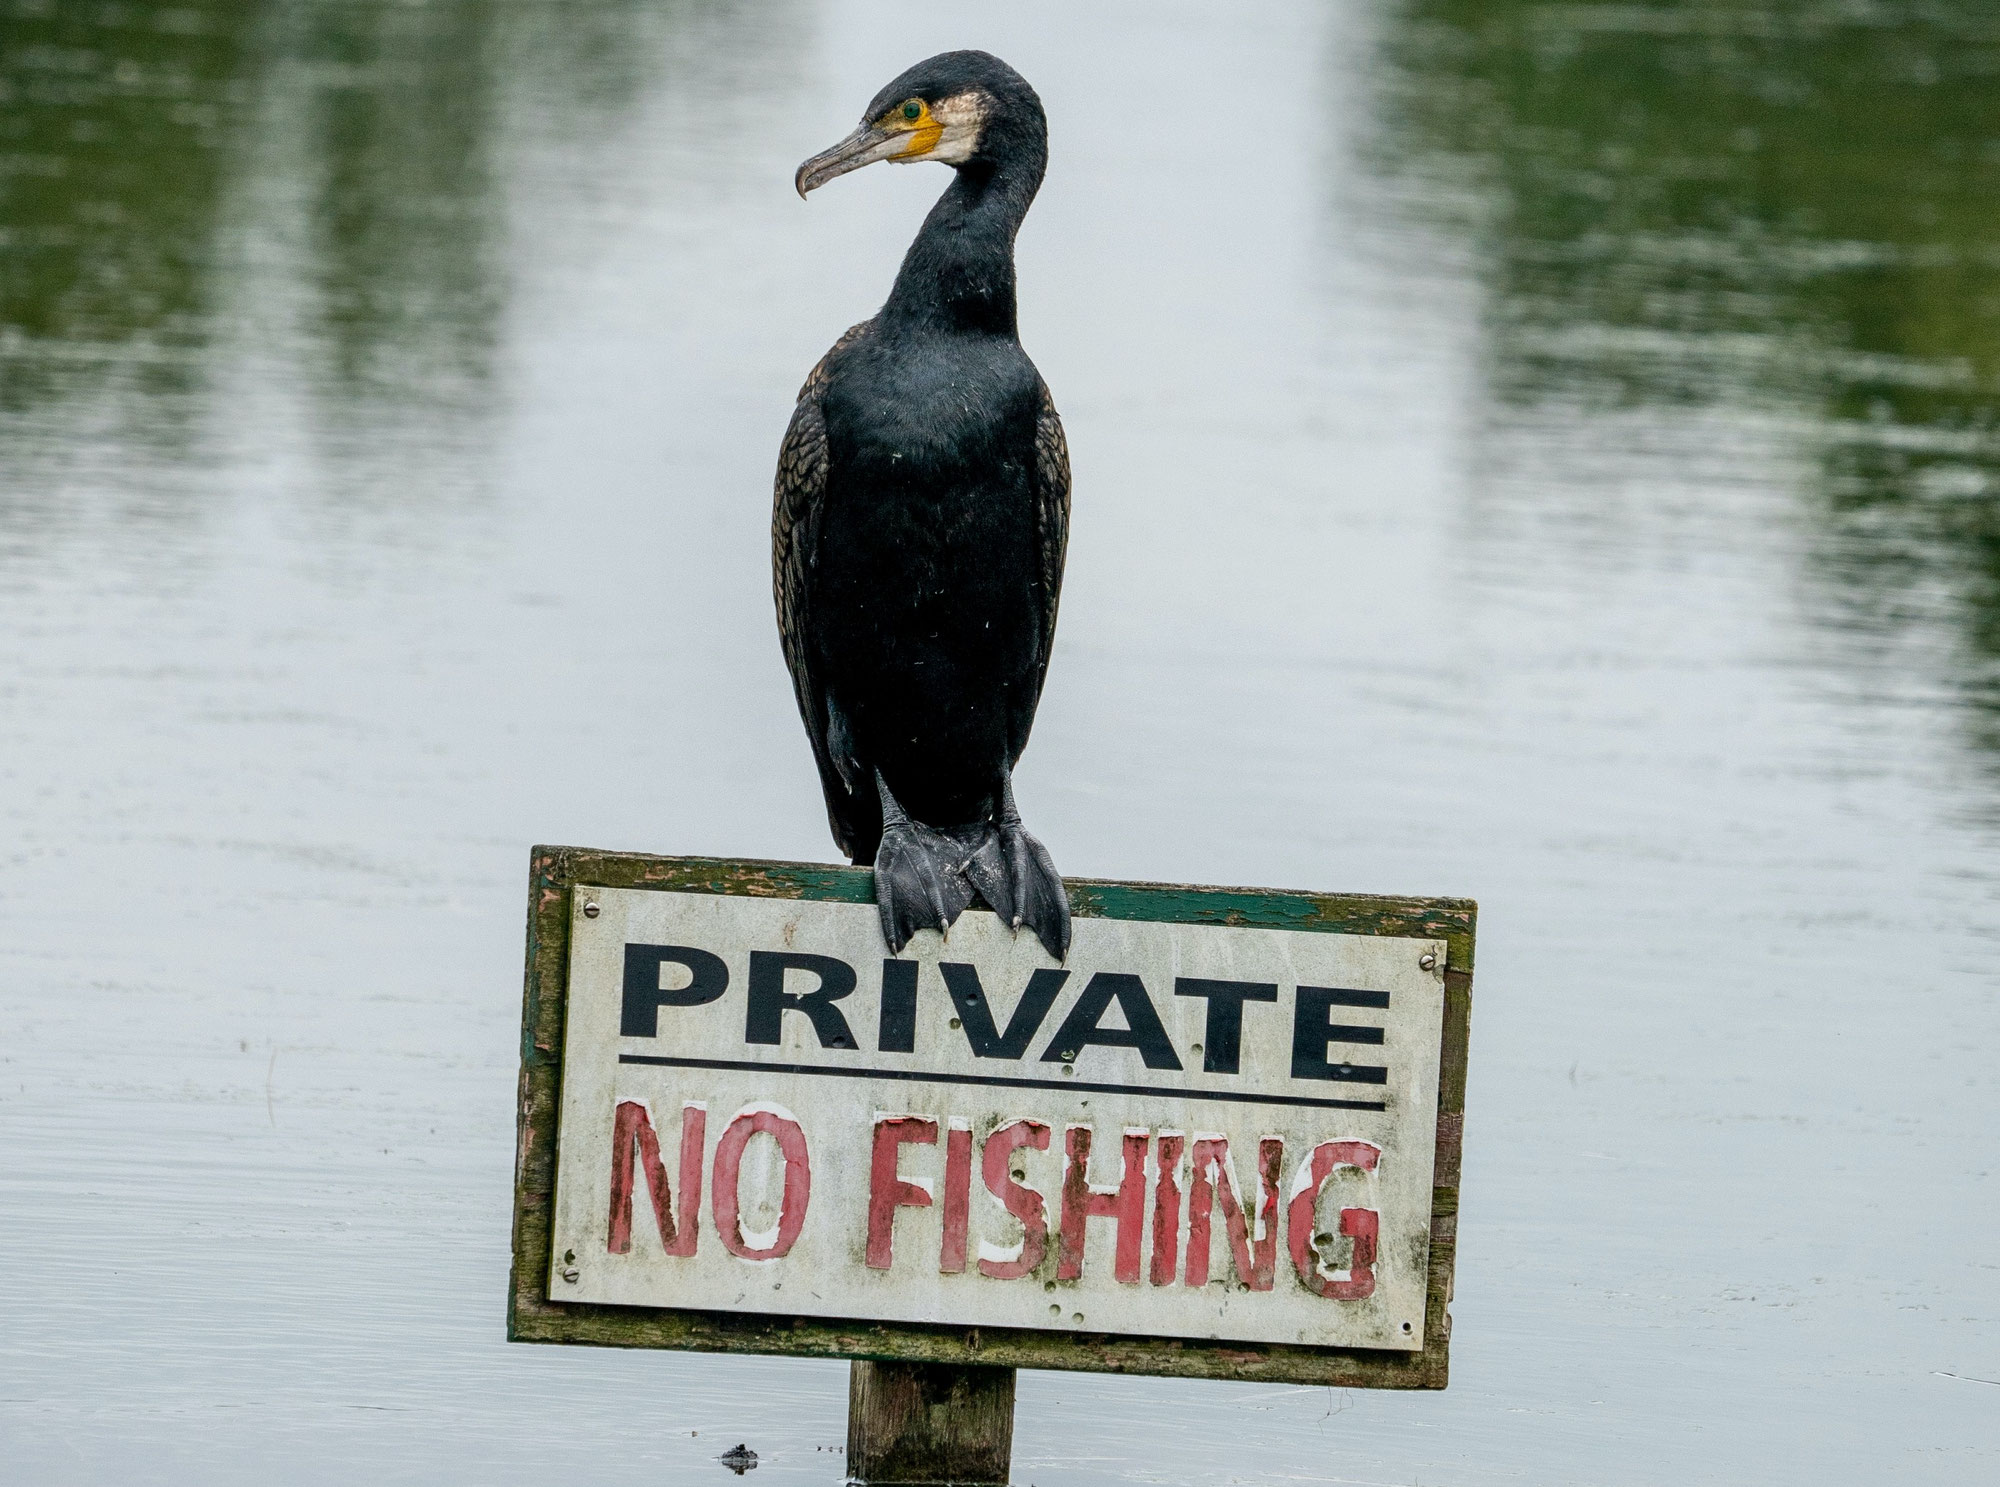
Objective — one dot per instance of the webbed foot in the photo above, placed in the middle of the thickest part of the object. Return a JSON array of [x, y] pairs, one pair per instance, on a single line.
[[920, 876], [1016, 876]]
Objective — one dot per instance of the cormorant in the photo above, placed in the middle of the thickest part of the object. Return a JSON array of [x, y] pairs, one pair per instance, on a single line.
[[920, 521]]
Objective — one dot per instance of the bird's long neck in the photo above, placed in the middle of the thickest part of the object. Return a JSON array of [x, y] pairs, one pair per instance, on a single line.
[[959, 272]]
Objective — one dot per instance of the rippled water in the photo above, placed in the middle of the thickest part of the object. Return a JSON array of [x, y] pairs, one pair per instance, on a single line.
[[1540, 452]]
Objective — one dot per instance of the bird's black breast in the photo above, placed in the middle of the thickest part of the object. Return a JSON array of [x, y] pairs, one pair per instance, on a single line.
[[925, 574]]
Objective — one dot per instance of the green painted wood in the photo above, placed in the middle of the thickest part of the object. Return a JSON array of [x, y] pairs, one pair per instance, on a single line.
[[555, 873]]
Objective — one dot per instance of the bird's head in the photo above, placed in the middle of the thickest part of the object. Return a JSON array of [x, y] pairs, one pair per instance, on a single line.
[[957, 108]]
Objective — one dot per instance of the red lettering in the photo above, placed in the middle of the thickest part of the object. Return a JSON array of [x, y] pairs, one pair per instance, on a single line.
[[1362, 1225], [632, 1127], [798, 1182], [1126, 1203], [1213, 1179], [1027, 1205], [886, 1190], [957, 1196], [1167, 1208]]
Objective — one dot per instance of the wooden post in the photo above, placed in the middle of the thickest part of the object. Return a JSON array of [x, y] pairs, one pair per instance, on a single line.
[[935, 1424]]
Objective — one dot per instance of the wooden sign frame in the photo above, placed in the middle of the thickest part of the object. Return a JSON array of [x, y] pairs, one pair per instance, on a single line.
[[557, 872]]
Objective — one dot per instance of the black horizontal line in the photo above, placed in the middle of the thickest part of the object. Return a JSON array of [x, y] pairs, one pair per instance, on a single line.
[[1339, 1033], [918, 1076], [1347, 996]]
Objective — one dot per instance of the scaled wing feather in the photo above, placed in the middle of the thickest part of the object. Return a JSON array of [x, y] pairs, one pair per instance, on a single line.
[[1051, 519], [797, 499]]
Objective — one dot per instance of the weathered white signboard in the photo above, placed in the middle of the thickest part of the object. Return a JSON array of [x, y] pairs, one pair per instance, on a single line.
[[1199, 1134]]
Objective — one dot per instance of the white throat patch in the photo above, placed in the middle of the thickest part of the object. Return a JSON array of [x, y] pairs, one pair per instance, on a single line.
[[963, 116]]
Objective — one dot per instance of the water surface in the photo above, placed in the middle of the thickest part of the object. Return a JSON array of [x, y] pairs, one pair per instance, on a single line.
[[1541, 453]]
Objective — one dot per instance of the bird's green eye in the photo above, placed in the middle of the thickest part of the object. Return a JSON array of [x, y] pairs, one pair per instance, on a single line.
[[913, 110]]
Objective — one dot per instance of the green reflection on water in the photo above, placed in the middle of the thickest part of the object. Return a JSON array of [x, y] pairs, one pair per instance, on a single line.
[[314, 191], [1787, 210], [113, 126]]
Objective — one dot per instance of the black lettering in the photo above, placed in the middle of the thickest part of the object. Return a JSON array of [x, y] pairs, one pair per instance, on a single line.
[[769, 1001], [1222, 1036], [975, 1014], [708, 979], [1142, 1028], [897, 1031], [1313, 1028]]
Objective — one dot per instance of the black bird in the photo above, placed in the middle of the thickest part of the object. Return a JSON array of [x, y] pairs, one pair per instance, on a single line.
[[921, 517]]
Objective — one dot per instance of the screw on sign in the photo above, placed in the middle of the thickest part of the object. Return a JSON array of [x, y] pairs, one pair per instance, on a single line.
[[1218, 1139]]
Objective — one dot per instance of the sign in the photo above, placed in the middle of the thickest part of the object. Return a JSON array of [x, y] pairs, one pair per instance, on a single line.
[[1220, 1138]]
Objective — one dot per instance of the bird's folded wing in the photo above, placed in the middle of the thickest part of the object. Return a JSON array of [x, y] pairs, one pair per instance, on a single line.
[[797, 497], [1051, 518]]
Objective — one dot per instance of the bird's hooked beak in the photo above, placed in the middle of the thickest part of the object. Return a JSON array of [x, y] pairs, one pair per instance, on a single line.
[[866, 145]]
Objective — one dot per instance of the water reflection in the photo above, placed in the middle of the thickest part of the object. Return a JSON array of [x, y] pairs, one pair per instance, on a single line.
[[224, 218], [390, 396], [1780, 213], [115, 131], [391, 110]]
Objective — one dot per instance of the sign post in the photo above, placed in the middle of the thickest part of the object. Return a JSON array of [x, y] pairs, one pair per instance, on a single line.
[[1220, 1140], [929, 1423]]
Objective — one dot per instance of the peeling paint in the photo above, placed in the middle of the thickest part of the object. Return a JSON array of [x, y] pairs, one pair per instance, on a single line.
[[534, 1317]]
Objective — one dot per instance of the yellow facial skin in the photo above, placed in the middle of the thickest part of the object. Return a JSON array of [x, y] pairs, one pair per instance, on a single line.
[[914, 119]]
